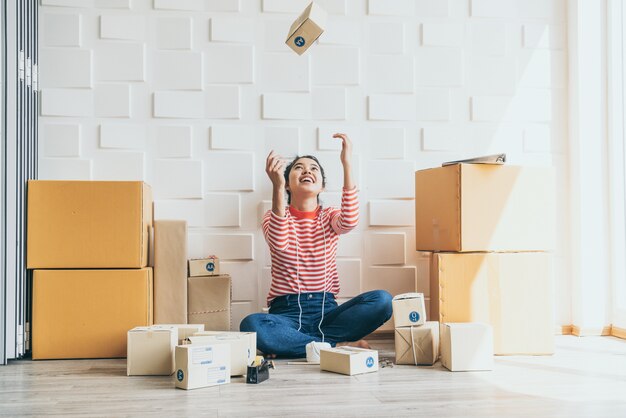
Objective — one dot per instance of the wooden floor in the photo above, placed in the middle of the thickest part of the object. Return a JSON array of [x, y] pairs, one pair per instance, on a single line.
[[585, 378]]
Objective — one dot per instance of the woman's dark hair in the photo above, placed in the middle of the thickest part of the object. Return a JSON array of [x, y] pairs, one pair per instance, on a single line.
[[290, 166]]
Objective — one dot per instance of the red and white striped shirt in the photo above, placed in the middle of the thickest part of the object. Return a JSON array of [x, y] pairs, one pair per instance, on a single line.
[[303, 246]]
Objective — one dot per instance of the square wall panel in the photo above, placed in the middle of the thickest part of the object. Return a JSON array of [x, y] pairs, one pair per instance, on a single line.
[[117, 135], [392, 212], [243, 278], [222, 210], [124, 166], [230, 246], [439, 66], [391, 8], [229, 171], [287, 106], [229, 63], [174, 33], [386, 37], [177, 179], [443, 34], [340, 32], [177, 70], [392, 107], [112, 100], [390, 74], [61, 140], [61, 29], [387, 143], [284, 140], [122, 27], [179, 104], [351, 244], [285, 72], [223, 102], [109, 55], [235, 137], [387, 248], [336, 66], [232, 29], [190, 210], [173, 141], [64, 169], [329, 103], [391, 179], [66, 102], [65, 67]]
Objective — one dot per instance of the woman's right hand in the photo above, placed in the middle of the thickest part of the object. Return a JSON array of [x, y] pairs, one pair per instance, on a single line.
[[275, 169]]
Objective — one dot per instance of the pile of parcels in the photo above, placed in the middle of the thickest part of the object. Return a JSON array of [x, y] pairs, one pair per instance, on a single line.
[[103, 266]]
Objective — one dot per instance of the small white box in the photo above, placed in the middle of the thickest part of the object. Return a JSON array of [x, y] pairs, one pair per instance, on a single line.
[[242, 346], [209, 266], [409, 310], [150, 351], [307, 28], [349, 360], [466, 346], [202, 365]]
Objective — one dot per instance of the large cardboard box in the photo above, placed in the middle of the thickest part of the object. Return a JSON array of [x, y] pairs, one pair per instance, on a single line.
[[483, 207], [242, 347], [87, 313], [307, 28], [417, 345], [88, 224], [349, 360], [170, 272], [199, 366], [151, 351], [511, 291], [208, 301], [466, 346], [408, 310]]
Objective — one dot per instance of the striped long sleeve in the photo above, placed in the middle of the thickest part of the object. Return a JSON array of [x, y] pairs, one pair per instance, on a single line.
[[303, 246]]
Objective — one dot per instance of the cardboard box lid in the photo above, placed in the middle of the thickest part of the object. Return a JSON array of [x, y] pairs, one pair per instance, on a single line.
[[87, 313], [88, 224], [314, 13]]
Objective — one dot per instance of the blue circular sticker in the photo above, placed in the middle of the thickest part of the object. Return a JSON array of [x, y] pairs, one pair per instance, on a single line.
[[369, 362], [299, 41], [180, 375], [210, 266], [414, 316]]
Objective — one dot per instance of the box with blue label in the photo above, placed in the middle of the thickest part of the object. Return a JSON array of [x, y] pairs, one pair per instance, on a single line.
[[307, 28], [409, 310], [209, 266], [349, 360], [242, 347], [202, 365]]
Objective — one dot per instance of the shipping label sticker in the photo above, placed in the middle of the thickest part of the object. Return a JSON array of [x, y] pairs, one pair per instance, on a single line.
[[414, 316], [217, 374], [180, 375], [299, 41], [369, 362], [202, 355]]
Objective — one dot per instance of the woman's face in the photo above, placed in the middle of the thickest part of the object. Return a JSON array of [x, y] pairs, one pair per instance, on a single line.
[[305, 178]]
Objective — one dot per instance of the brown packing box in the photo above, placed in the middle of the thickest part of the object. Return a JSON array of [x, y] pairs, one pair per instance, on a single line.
[[208, 301], [209, 266], [511, 291], [417, 345], [170, 272], [87, 313], [151, 351], [307, 28], [484, 207], [88, 224]]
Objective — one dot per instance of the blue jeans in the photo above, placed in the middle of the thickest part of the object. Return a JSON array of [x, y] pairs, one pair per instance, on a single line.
[[277, 332]]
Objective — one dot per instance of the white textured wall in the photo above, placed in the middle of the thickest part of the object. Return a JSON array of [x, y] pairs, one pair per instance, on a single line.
[[190, 95]]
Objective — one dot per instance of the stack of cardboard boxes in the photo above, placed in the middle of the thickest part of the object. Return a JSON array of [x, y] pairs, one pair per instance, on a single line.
[[416, 340], [88, 244], [488, 229]]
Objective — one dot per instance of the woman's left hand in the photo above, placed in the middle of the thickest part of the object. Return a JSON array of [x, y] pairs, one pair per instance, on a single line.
[[346, 149]]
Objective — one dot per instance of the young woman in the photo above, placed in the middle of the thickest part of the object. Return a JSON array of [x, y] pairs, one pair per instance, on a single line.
[[303, 238]]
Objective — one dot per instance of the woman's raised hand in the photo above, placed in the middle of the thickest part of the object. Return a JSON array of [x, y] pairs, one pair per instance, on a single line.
[[346, 149], [275, 168]]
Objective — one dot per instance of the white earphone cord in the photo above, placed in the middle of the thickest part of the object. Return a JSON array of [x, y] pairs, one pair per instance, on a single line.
[[319, 326]]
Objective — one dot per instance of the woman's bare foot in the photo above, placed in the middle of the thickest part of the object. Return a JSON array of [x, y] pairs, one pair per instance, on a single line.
[[359, 344]]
